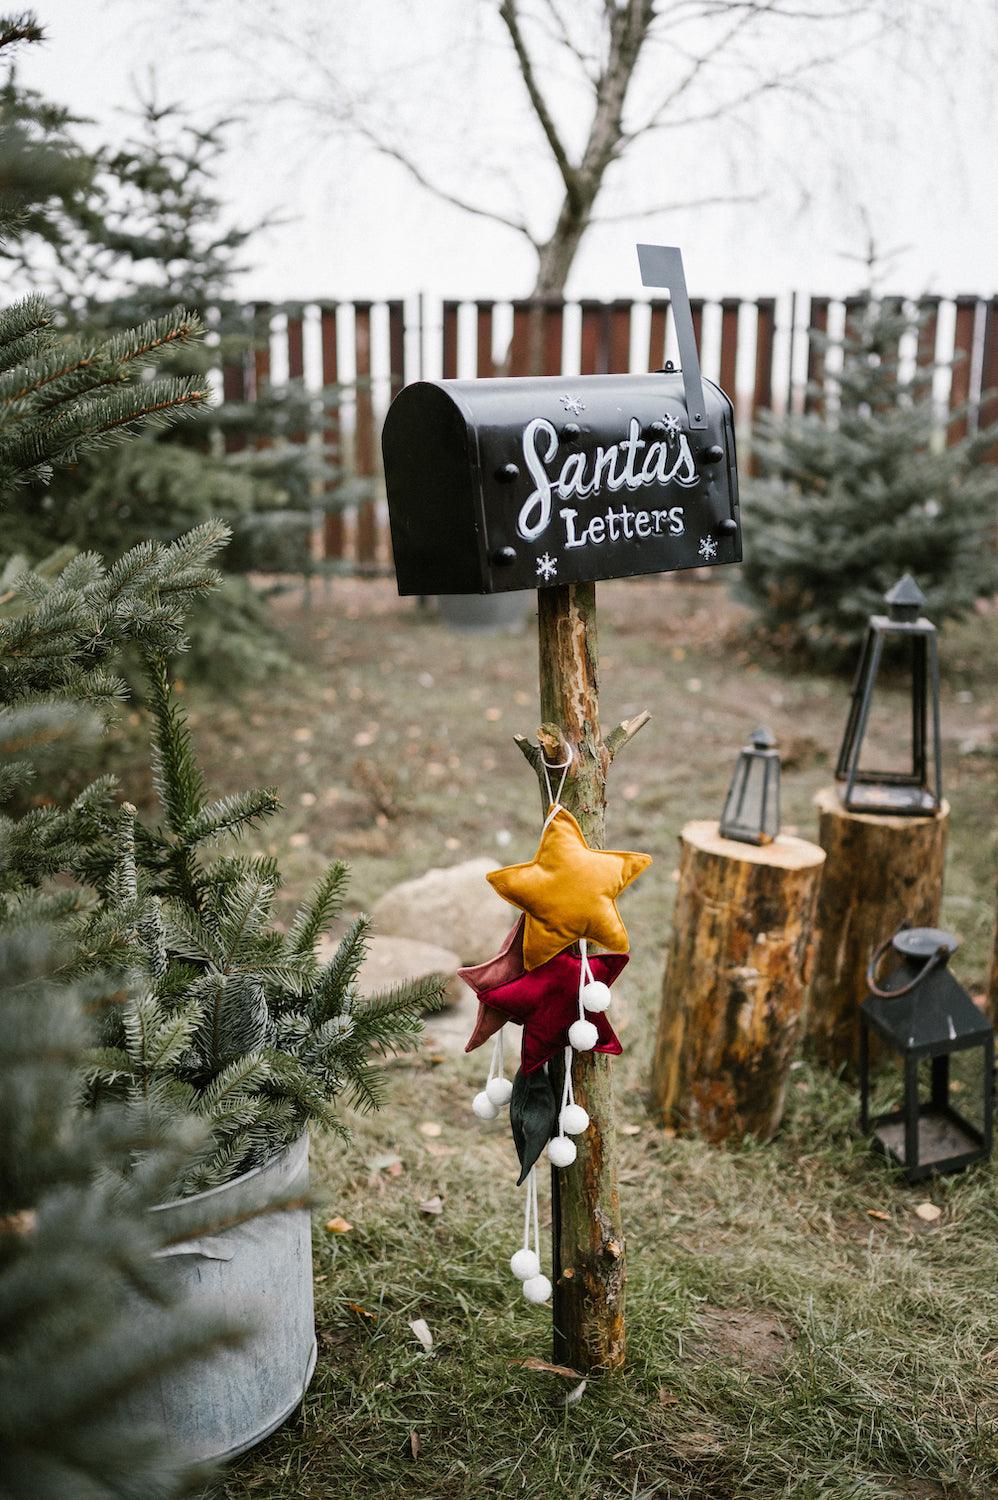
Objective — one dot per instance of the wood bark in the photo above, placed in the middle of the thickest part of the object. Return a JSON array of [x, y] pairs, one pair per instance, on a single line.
[[880, 872], [587, 1232], [736, 975]]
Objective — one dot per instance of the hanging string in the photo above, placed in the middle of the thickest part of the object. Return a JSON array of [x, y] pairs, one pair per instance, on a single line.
[[497, 1066], [585, 974], [527, 1207], [554, 798]]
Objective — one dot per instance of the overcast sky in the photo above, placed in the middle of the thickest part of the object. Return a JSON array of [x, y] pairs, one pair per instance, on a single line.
[[914, 149]]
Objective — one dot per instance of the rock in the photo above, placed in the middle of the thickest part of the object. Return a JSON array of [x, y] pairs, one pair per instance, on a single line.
[[455, 906], [393, 960]]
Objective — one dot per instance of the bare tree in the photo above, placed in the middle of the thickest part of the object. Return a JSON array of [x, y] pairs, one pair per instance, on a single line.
[[602, 81]]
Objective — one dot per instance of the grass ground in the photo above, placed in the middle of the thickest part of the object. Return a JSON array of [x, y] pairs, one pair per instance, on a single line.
[[795, 1328]]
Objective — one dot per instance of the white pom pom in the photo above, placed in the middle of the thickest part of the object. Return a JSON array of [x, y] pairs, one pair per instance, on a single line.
[[573, 1119], [483, 1106], [596, 996], [537, 1289], [525, 1265], [561, 1151], [583, 1036], [500, 1091]]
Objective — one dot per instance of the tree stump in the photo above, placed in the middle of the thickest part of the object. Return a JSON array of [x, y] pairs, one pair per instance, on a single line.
[[735, 981], [880, 871]]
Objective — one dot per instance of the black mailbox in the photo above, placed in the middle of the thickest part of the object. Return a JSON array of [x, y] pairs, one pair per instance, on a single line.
[[517, 483]]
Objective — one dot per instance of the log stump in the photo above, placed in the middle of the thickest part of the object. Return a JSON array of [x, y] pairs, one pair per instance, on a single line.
[[735, 981], [880, 871]]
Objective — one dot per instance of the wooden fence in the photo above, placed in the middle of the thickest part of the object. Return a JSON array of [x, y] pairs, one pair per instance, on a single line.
[[761, 352]]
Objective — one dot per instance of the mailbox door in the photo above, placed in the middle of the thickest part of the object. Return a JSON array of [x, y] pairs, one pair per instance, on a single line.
[[600, 477]]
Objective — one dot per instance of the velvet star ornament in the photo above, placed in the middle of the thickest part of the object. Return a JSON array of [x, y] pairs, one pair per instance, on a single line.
[[506, 965], [568, 891], [545, 1002]]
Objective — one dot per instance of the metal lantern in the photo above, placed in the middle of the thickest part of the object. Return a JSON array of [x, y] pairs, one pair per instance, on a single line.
[[752, 807], [922, 1013], [918, 791]]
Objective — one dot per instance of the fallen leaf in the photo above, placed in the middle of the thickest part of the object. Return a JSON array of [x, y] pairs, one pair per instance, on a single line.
[[299, 840], [414, 1444], [434, 1205], [389, 1162], [575, 1394], [542, 1364], [630, 1129], [362, 1312], [666, 1398], [878, 1213], [421, 1329], [302, 735], [441, 1150], [320, 1278], [493, 715], [338, 1226], [430, 1128], [930, 1212]]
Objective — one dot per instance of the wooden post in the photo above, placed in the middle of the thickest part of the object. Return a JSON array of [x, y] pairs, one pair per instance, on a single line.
[[736, 976], [880, 871], [587, 1234], [991, 997]]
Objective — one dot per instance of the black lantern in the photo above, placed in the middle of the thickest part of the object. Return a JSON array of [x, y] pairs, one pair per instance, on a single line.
[[922, 1013], [752, 807], [918, 791]]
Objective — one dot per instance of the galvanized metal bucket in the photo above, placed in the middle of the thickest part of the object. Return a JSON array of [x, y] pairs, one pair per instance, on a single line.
[[258, 1272]]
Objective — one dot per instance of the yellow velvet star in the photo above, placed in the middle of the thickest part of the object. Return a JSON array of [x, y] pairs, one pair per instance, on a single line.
[[568, 891]]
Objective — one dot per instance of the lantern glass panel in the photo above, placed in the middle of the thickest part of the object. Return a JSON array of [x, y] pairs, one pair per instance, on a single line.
[[912, 784], [752, 808]]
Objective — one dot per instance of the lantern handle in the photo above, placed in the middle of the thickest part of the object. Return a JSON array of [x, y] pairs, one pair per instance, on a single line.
[[662, 266], [933, 961]]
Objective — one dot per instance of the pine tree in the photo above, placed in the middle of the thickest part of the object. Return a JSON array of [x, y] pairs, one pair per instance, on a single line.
[[235, 1021], [858, 495], [155, 228], [77, 1251]]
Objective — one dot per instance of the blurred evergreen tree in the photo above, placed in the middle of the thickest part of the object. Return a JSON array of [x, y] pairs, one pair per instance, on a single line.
[[863, 489], [145, 222]]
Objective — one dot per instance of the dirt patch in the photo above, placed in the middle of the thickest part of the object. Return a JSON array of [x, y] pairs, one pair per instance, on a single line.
[[757, 1341]]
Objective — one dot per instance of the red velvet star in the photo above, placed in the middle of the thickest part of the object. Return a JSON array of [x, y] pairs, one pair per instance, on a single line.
[[545, 1002], [507, 965]]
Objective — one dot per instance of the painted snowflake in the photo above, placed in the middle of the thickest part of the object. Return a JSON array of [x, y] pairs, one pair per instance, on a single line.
[[547, 567], [708, 548], [572, 405], [672, 427]]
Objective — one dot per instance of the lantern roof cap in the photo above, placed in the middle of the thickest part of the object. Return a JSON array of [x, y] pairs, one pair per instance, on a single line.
[[936, 1016], [923, 942], [762, 738], [905, 599]]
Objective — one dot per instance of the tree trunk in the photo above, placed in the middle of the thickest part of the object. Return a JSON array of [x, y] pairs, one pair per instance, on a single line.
[[587, 1234], [735, 981], [880, 871], [555, 258]]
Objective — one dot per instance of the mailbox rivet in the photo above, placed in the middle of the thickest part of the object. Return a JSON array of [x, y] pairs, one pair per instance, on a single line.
[[713, 454], [728, 526], [657, 427], [503, 556], [571, 431], [506, 473]]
